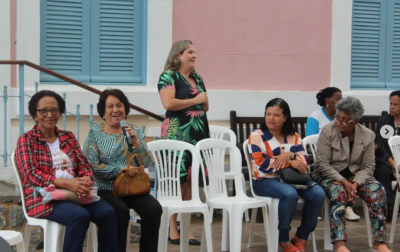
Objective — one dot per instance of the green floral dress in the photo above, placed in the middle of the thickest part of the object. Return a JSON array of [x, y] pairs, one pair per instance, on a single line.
[[189, 125]]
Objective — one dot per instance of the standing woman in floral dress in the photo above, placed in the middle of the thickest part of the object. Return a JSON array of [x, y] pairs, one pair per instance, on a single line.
[[184, 96]]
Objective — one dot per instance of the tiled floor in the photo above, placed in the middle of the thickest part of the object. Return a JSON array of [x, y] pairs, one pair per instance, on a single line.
[[357, 236]]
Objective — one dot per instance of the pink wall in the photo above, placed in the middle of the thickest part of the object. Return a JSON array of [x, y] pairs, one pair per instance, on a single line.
[[258, 44]]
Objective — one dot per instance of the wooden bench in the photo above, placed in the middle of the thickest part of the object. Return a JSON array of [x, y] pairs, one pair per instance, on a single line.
[[243, 126]]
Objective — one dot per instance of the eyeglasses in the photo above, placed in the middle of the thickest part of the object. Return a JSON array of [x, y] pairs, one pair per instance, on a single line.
[[342, 120], [45, 111]]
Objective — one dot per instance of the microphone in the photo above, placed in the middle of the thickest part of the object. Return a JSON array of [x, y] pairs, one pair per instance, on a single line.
[[122, 124]]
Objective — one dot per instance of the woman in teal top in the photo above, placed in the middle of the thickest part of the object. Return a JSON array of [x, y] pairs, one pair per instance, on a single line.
[[107, 153]]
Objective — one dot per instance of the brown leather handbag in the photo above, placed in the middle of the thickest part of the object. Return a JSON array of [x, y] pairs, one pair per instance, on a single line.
[[124, 185]]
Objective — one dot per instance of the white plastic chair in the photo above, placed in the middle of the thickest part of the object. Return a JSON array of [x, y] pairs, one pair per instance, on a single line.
[[394, 144], [213, 152], [52, 231], [272, 204], [13, 238], [218, 132], [167, 155], [311, 141]]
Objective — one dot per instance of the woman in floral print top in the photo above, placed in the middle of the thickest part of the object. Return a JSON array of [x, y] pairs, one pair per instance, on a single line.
[[184, 96]]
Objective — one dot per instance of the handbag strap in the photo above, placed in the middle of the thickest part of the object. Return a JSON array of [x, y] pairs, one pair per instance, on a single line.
[[138, 157]]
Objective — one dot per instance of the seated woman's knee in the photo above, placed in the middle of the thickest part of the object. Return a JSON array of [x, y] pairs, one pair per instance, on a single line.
[[121, 209], [291, 195], [82, 217], [108, 212], [154, 210], [338, 193], [317, 194]]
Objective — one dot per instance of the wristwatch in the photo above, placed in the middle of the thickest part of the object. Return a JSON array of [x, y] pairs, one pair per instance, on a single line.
[[294, 155]]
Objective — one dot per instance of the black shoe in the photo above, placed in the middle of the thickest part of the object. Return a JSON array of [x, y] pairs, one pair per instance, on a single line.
[[175, 241], [194, 242]]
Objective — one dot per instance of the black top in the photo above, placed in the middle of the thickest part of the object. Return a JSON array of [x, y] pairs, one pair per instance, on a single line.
[[383, 151], [346, 173]]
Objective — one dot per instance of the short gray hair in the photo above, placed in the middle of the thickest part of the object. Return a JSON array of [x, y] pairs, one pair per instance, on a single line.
[[352, 106]]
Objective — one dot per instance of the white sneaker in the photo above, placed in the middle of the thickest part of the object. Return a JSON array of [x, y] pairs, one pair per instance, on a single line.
[[350, 215]]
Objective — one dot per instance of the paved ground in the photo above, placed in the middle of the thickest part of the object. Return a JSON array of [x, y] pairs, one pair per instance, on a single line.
[[357, 235]]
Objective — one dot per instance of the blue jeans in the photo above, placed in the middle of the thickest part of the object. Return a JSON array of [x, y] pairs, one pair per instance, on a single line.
[[288, 196], [76, 219]]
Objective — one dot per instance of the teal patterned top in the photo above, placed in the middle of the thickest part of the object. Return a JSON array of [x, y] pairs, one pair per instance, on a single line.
[[107, 154]]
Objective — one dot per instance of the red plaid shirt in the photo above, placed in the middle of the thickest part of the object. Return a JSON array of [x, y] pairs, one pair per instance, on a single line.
[[35, 163]]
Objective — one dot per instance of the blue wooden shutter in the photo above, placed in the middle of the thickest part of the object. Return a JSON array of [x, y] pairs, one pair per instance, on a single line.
[[393, 45], [368, 44], [118, 41], [65, 38]]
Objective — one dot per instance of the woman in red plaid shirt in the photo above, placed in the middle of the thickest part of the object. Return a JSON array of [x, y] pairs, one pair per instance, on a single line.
[[40, 153]]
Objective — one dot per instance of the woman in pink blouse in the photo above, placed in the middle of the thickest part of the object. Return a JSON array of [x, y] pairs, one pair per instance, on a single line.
[[277, 146]]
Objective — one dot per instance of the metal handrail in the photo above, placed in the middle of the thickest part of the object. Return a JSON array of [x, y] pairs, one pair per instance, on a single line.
[[75, 82]]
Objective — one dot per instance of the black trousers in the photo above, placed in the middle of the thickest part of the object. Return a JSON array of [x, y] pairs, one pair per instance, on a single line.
[[383, 173], [150, 213]]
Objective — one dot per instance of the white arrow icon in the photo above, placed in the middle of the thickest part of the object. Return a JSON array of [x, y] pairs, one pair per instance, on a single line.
[[386, 131]]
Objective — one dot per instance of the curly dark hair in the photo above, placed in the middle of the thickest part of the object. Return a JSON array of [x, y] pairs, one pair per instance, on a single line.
[[101, 105], [326, 93], [287, 128], [33, 102]]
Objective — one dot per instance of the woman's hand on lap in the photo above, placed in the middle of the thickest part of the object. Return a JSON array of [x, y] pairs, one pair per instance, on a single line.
[[302, 167], [281, 160], [80, 186], [351, 191]]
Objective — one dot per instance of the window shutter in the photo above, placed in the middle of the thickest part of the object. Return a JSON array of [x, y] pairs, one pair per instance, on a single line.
[[118, 41], [393, 45], [65, 38], [368, 44]]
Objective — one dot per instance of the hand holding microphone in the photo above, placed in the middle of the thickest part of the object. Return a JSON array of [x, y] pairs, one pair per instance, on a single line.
[[130, 135]]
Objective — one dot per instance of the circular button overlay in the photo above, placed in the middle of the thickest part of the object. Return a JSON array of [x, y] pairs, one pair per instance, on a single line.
[[386, 131]]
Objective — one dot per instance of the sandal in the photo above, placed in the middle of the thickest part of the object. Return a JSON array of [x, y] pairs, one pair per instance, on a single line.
[[292, 248], [296, 241]]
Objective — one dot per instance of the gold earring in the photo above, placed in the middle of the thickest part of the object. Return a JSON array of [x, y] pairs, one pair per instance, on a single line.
[[327, 105]]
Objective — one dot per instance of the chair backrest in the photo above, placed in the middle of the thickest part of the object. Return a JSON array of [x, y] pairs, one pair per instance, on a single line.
[[311, 141], [19, 180], [168, 156], [394, 145], [218, 132], [213, 153], [248, 161]]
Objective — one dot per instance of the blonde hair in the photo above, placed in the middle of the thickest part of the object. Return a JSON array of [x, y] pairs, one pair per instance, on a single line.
[[173, 63]]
